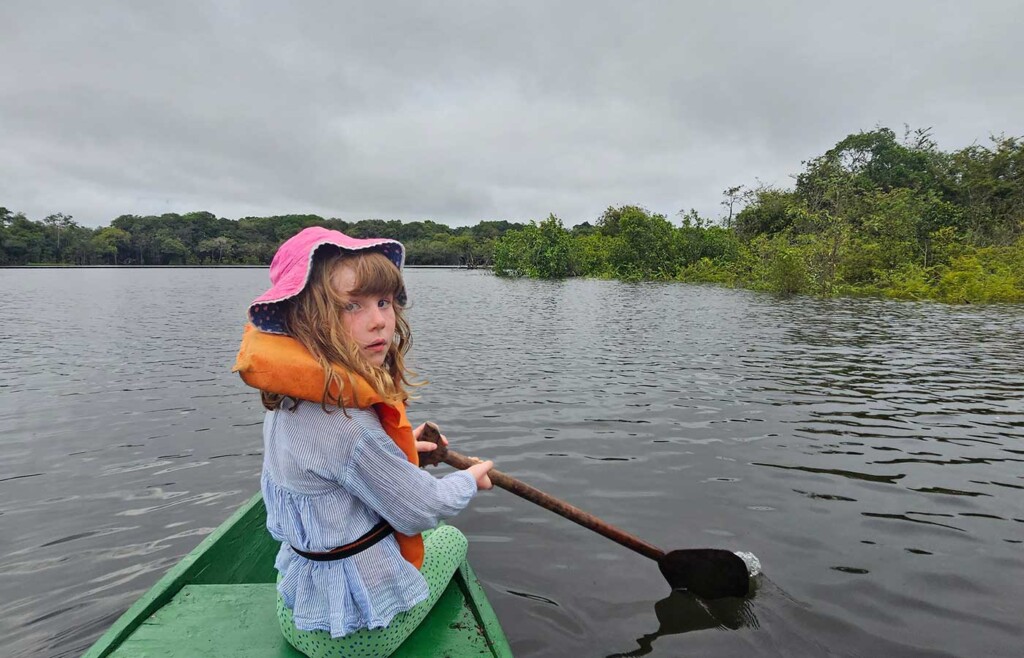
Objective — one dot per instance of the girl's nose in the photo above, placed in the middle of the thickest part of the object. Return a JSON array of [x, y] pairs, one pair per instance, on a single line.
[[377, 319]]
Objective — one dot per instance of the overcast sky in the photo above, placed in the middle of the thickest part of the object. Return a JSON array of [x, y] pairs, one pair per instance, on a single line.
[[465, 111]]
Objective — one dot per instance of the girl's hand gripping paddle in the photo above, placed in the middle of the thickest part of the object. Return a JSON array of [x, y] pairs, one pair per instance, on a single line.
[[710, 573]]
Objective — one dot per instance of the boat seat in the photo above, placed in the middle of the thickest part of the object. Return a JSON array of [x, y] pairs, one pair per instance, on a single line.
[[232, 621]]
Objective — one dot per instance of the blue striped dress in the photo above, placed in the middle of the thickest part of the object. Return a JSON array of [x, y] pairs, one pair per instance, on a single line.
[[327, 479]]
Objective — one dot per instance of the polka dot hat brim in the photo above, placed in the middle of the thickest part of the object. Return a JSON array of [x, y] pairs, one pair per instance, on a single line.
[[289, 271]]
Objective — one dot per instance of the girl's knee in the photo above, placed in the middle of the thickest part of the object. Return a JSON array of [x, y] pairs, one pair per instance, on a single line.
[[449, 539]]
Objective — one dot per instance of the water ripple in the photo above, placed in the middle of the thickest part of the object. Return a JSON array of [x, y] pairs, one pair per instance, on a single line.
[[867, 451]]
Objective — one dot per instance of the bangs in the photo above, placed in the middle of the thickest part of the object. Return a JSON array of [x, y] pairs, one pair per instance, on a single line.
[[375, 274]]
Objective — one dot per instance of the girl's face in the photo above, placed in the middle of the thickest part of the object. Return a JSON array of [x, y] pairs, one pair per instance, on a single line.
[[369, 319]]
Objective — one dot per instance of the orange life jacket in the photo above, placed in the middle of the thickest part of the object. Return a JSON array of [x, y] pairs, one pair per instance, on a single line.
[[280, 364]]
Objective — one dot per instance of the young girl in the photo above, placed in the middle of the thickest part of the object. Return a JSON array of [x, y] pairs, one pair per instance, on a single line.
[[340, 480]]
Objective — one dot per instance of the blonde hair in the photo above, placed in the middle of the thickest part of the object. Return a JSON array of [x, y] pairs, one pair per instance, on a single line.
[[313, 317]]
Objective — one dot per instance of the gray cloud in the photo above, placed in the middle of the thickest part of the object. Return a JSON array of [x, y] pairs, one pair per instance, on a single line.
[[462, 111]]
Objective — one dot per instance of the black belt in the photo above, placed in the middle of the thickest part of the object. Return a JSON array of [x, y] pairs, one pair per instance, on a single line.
[[375, 534]]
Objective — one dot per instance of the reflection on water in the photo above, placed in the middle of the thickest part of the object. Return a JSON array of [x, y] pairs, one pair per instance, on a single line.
[[869, 452], [681, 612]]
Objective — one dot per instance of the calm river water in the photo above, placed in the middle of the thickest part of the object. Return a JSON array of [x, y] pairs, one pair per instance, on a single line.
[[870, 453]]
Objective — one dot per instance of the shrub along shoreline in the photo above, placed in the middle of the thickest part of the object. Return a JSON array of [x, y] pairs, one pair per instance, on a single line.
[[874, 215]]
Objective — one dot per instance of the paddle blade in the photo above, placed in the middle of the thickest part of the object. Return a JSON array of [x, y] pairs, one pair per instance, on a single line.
[[710, 573]]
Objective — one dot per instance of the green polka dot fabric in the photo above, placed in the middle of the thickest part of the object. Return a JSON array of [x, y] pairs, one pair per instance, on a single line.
[[444, 550]]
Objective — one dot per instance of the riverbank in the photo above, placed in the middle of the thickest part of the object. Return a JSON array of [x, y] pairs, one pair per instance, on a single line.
[[872, 216], [972, 276], [834, 264]]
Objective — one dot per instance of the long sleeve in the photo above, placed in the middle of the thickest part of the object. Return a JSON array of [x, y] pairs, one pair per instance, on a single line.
[[409, 498]]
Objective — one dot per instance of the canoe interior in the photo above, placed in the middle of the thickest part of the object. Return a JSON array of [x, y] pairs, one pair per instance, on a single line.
[[220, 601]]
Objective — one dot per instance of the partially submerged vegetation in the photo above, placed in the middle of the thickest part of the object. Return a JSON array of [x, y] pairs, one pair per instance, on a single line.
[[872, 216]]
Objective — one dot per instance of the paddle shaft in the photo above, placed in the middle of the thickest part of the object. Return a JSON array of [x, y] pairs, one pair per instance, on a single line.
[[707, 572], [560, 507]]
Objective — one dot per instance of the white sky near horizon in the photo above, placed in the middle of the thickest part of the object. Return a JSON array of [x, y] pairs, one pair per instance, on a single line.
[[468, 111]]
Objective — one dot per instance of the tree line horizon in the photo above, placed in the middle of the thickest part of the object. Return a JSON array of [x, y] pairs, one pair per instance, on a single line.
[[874, 215]]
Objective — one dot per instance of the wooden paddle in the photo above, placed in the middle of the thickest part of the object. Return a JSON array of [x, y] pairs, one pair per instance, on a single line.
[[710, 573]]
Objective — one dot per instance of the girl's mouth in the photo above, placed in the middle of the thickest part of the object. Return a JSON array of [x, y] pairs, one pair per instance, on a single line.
[[377, 345]]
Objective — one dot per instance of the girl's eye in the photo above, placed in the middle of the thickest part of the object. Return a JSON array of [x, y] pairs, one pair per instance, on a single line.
[[383, 303], [351, 307]]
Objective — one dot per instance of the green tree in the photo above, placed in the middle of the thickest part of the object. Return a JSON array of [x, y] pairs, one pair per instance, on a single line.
[[58, 222], [988, 185], [771, 211], [6, 217], [734, 197], [645, 246], [552, 255], [511, 251], [108, 242], [213, 250], [169, 248], [542, 251], [25, 241], [593, 254], [865, 161]]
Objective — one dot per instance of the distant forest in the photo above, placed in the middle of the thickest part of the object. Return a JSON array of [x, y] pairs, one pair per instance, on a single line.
[[201, 238], [876, 215]]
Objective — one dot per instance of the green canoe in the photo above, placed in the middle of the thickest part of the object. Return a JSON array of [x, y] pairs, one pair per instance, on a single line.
[[220, 601]]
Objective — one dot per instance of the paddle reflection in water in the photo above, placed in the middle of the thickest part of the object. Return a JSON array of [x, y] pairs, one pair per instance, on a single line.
[[682, 612], [768, 621]]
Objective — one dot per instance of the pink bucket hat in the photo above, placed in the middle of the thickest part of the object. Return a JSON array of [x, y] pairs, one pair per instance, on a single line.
[[289, 271]]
